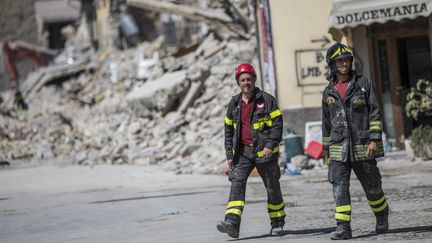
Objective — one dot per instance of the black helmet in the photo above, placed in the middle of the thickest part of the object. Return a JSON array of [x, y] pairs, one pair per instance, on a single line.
[[337, 51]]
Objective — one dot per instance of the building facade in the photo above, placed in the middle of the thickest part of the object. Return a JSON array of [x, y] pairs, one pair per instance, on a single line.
[[391, 40], [299, 40]]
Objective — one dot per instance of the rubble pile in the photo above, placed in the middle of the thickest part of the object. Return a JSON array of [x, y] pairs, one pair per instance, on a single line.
[[130, 106]]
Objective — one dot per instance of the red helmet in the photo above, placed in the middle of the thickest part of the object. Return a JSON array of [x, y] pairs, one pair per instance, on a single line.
[[244, 68]]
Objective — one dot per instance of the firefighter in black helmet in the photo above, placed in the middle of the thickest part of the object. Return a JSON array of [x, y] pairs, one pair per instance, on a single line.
[[352, 128]]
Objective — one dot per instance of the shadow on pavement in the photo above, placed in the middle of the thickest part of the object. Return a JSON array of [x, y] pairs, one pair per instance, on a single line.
[[149, 197], [319, 231], [416, 229]]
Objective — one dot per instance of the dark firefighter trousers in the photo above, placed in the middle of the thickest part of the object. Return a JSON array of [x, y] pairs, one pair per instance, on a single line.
[[270, 174], [369, 176]]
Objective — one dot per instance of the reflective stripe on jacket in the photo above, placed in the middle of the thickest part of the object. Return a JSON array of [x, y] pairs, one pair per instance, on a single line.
[[266, 126], [349, 125]]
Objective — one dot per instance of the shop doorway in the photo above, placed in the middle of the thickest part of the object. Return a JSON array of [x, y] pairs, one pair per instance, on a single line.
[[414, 64], [402, 56]]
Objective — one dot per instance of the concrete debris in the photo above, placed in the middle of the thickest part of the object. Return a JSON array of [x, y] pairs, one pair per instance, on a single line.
[[193, 93], [145, 66], [300, 161], [44, 151], [48, 74], [213, 17], [138, 105], [200, 15], [161, 94]]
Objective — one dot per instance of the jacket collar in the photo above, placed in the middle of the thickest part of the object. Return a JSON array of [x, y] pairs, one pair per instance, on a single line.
[[332, 81], [351, 86], [257, 94], [332, 78]]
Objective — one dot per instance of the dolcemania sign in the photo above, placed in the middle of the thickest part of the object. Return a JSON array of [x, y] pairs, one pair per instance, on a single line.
[[383, 13]]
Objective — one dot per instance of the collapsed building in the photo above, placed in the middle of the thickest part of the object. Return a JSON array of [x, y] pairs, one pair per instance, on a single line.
[[149, 90]]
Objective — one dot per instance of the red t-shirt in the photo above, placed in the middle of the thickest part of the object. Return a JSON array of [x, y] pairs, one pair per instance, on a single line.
[[246, 111], [341, 88]]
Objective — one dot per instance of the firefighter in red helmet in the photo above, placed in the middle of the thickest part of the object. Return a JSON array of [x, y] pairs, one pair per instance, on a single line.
[[253, 131], [244, 68]]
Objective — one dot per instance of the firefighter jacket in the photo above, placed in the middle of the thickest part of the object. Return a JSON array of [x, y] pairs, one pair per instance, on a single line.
[[349, 125], [266, 126]]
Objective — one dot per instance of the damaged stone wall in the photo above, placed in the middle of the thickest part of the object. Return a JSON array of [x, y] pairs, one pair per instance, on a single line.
[[89, 119], [139, 106]]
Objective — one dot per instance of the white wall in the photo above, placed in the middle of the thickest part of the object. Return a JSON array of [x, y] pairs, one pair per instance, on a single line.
[[362, 49]]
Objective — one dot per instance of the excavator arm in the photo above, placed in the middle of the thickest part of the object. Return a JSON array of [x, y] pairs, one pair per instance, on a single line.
[[13, 52]]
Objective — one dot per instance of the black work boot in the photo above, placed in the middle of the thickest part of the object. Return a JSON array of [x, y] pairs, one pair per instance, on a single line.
[[276, 231], [381, 223], [229, 228], [277, 227], [342, 232]]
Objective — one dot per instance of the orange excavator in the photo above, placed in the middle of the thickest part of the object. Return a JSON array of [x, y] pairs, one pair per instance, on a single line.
[[19, 50]]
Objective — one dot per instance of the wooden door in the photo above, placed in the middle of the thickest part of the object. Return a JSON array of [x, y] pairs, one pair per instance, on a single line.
[[387, 74]]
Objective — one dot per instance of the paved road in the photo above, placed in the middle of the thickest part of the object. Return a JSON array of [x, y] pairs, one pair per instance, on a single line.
[[139, 204]]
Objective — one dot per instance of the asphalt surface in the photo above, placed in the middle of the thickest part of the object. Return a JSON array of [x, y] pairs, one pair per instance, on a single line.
[[139, 204]]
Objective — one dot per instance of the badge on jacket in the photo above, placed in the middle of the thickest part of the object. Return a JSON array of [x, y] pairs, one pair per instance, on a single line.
[[260, 105], [330, 100], [360, 101]]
